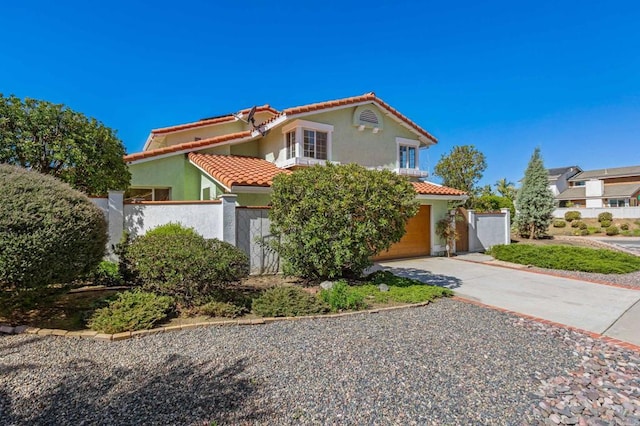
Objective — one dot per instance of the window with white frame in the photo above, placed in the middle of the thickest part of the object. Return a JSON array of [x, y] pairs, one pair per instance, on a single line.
[[315, 144], [408, 153], [291, 144], [617, 202], [147, 194], [306, 142]]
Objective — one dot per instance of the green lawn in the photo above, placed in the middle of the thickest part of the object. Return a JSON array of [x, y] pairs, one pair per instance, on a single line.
[[568, 258]]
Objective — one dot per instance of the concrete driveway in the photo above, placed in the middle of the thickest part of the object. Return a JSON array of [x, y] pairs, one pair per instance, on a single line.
[[602, 309]]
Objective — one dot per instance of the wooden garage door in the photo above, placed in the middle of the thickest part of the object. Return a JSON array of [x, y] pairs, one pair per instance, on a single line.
[[416, 241]]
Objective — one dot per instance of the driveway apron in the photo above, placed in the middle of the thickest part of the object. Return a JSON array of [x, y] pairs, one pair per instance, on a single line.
[[602, 309]]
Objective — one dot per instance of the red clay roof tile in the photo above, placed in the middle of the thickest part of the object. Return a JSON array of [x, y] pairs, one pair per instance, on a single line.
[[233, 170], [427, 188], [186, 146]]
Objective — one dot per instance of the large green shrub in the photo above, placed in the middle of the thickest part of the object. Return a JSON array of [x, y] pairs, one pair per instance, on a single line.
[[184, 265], [493, 203], [287, 302], [605, 216], [106, 273], [572, 215], [330, 220], [131, 311], [340, 297], [49, 232]]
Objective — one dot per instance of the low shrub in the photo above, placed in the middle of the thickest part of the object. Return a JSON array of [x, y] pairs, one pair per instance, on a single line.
[[220, 309], [605, 223], [559, 223], [107, 274], [568, 258], [572, 215], [131, 311], [605, 216], [581, 232], [184, 265], [171, 228], [612, 230], [287, 301], [576, 224], [340, 297], [583, 225], [624, 227]]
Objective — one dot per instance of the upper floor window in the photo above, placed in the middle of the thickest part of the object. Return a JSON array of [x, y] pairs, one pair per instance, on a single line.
[[579, 183], [315, 144], [306, 143], [408, 153]]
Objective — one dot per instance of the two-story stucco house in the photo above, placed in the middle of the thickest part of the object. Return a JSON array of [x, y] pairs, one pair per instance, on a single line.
[[241, 153], [614, 187]]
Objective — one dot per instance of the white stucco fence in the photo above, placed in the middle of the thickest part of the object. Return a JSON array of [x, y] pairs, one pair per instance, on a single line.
[[488, 229], [593, 212]]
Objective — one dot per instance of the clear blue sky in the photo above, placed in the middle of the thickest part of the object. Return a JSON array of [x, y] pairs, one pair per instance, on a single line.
[[504, 76]]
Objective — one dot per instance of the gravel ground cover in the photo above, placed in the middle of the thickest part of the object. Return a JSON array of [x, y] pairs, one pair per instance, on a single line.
[[447, 363], [632, 279]]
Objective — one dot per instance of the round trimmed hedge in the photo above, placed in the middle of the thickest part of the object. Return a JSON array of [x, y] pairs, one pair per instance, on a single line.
[[184, 265], [49, 232]]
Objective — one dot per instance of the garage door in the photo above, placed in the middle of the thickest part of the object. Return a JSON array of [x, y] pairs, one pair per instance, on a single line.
[[416, 241]]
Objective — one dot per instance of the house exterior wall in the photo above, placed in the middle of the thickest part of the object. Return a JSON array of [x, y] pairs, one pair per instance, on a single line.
[[592, 213], [174, 172], [439, 210], [349, 145]]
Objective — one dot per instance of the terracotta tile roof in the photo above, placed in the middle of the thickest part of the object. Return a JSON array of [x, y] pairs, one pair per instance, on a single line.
[[350, 101], [210, 121], [233, 170], [428, 188], [187, 146]]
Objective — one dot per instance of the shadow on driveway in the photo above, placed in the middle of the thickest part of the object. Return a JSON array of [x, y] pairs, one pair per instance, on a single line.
[[426, 277]]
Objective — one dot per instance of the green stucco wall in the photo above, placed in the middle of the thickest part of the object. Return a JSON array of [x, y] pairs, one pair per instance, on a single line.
[[174, 172]]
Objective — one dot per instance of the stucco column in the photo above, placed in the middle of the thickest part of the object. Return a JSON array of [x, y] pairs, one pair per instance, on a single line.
[[115, 217], [473, 232], [507, 225], [228, 231]]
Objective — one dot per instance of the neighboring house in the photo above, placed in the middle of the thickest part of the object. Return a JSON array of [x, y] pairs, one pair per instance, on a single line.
[[242, 153], [559, 178], [616, 187]]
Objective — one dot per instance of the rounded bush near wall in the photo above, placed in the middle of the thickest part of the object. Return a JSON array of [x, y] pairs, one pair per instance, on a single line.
[[49, 232], [559, 223], [612, 230], [572, 215], [184, 265], [605, 216], [624, 227], [605, 223]]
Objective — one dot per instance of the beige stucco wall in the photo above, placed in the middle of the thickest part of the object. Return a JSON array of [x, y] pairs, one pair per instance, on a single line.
[[349, 145]]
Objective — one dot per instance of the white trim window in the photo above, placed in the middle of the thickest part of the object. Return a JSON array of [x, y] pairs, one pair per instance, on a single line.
[[147, 194], [408, 158], [306, 143]]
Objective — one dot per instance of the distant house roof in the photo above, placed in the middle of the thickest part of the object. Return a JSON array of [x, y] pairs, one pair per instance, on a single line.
[[235, 170], [607, 173], [610, 191], [555, 173]]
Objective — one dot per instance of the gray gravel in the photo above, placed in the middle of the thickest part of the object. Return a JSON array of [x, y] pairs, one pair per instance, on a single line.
[[447, 363]]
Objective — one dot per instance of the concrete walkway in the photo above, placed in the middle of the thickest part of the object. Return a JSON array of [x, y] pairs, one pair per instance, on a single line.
[[602, 309]]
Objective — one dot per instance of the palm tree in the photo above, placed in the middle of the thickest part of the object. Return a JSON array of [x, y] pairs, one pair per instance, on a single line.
[[505, 188]]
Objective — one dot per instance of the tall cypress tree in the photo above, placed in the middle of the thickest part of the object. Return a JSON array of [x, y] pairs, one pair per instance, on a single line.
[[535, 202]]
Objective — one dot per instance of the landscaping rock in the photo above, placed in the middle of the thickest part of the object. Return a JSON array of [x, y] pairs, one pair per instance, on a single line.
[[383, 287], [327, 285]]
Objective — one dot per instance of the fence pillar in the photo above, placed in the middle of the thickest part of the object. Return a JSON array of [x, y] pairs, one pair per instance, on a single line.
[[228, 231], [473, 232], [507, 225], [115, 218]]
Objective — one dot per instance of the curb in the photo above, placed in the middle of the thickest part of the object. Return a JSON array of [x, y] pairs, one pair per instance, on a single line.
[[609, 340], [94, 335], [525, 268]]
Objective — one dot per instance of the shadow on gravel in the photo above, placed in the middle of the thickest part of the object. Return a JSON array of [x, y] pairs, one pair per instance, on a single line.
[[427, 277], [7, 345], [176, 392]]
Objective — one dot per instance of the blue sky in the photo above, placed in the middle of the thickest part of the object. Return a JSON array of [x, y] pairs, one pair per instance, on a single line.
[[504, 76]]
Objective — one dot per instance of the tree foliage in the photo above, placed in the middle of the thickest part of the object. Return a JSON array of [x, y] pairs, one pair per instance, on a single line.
[[461, 169], [535, 202], [331, 220], [506, 189], [52, 139], [49, 232], [493, 203]]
